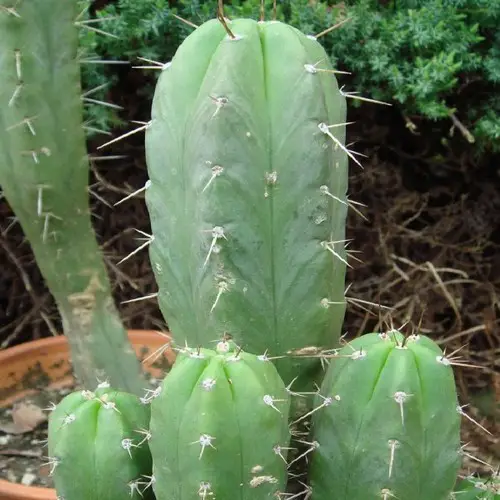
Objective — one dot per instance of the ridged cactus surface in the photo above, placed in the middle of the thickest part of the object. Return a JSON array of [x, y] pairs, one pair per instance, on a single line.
[[44, 175], [219, 428], [389, 426], [98, 446], [248, 192]]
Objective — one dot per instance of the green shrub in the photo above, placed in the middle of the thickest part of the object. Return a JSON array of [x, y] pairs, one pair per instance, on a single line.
[[434, 58], [423, 54]]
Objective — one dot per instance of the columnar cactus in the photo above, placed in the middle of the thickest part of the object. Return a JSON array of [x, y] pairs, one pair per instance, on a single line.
[[247, 192], [387, 423], [219, 427], [44, 174], [98, 446]]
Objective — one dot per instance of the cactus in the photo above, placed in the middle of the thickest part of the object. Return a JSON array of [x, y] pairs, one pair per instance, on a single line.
[[247, 192], [473, 488], [98, 446], [219, 427], [387, 423], [44, 173]]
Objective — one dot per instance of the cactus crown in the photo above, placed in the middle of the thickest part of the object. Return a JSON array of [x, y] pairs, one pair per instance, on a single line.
[[98, 444]]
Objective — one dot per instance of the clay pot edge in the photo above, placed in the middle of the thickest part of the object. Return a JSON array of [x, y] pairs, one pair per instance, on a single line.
[[16, 491]]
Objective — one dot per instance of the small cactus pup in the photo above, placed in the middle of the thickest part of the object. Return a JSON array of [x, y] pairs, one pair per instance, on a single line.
[[44, 173], [219, 427], [98, 446], [247, 194], [387, 422]]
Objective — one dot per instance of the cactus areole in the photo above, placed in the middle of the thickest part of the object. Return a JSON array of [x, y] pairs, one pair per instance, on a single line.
[[389, 425], [247, 192], [219, 428]]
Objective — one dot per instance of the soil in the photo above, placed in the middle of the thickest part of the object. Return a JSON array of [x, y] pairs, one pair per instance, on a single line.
[[22, 454]]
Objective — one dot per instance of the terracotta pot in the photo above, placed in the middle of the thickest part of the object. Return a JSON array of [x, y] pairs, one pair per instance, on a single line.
[[45, 363]]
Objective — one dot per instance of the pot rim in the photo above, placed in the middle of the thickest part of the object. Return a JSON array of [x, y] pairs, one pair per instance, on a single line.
[[57, 340]]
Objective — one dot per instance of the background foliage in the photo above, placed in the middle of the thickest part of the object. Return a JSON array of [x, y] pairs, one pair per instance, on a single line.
[[436, 59]]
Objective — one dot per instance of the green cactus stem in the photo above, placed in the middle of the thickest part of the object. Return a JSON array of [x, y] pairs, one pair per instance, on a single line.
[[219, 427], [247, 200], [387, 422], [98, 446], [44, 173], [473, 488]]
